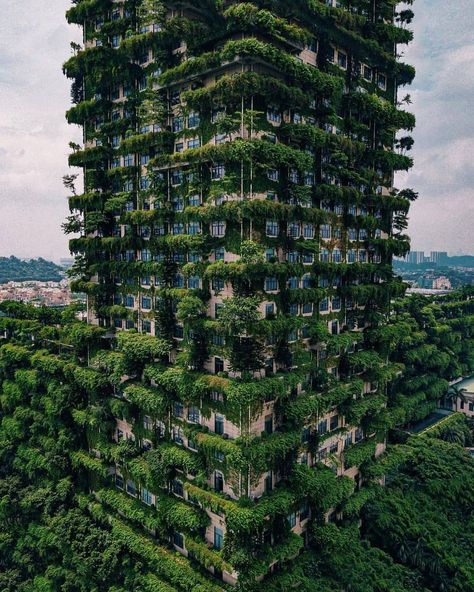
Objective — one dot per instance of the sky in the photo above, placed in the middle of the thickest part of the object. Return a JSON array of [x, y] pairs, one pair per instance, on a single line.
[[34, 135]]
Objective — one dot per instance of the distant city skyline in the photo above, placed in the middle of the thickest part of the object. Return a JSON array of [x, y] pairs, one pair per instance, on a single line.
[[34, 135]]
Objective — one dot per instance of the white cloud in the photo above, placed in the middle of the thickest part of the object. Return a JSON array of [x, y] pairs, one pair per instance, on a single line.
[[443, 53], [34, 136]]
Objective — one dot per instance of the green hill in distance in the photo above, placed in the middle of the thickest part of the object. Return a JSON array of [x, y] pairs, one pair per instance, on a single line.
[[13, 269]]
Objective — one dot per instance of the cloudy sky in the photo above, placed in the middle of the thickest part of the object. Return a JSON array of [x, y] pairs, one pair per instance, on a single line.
[[34, 137]]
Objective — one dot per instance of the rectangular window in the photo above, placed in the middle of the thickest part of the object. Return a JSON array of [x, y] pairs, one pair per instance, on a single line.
[[322, 427], [219, 424], [193, 120], [218, 538], [146, 497], [218, 481], [269, 424], [217, 172], [178, 124], [131, 488], [178, 409], [128, 160], [178, 540], [269, 310], [218, 229], [194, 415], [271, 284], [272, 228], [194, 143]]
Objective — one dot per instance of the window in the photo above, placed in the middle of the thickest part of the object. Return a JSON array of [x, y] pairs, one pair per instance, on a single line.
[[218, 538], [144, 182], [218, 481], [292, 520], [363, 256], [273, 175], [178, 436], [194, 200], [118, 481], [193, 120], [177, 488], [324, 255], [272, 228], [304, 511], [217, 172], [292, 257], [307, 281], [293, 176], [324, 305], [194, 143], [146, 302], [178, 124], [322, 427], [178, 409], [179, 147], [218, 229], [273, 115], [294, 230], [270, 255], [178, 540], [219, 421], [336, 256], [293, 283], [307, 308], [146, 497], [334, 423], [219, 254], [269, 424], [269, 310], [382, 81], [269, 483], [194, 228], [218, 365], [325, 231], [308, 230], [269, 362], [131, 488], [342, 60], [218, 285], [336, 303], [160, 429], [348, 440], [367, 73], [194, 415], [194, 283], [271, 284]]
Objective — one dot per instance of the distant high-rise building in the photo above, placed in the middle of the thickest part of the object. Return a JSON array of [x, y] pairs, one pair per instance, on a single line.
[[438, 257], [415, 257]]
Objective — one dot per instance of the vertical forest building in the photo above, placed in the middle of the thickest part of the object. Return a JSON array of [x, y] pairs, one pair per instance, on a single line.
[[237, 229]]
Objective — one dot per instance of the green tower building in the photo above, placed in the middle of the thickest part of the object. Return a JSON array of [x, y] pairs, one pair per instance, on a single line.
[[238, 224]]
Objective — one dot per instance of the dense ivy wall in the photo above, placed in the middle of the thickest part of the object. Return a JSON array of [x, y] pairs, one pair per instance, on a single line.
[[238, 212], [55, 412]]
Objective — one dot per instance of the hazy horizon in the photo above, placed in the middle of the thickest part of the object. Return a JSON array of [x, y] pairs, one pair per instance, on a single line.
[[34, 134]]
